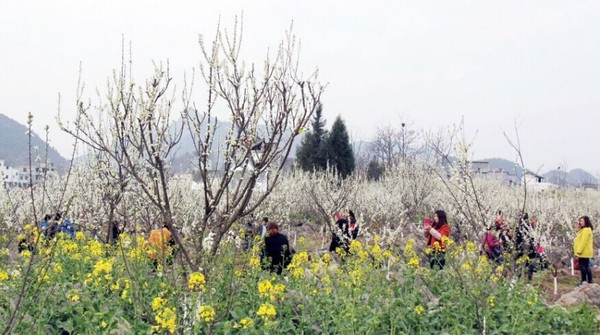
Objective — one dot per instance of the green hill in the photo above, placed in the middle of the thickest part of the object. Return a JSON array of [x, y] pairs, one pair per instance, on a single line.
[[14, 149]]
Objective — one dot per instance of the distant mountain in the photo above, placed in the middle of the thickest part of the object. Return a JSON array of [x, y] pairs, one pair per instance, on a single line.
[[575, 177], [14, 149]]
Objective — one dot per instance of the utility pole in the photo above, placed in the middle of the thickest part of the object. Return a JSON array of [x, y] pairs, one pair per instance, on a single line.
[[403, 144]]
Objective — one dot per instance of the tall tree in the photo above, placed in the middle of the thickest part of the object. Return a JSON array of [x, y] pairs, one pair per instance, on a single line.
[[375, 171], [312, 153], [339, 150], [391, 144]]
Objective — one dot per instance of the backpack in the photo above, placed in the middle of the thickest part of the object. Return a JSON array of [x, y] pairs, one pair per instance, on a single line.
[[67, 228]]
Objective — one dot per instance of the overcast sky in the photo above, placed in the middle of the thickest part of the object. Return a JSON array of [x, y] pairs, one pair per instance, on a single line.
[[432, 63]]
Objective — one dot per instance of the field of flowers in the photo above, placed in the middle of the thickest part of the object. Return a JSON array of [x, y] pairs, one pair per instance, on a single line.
[[382, 285], [81, 285]]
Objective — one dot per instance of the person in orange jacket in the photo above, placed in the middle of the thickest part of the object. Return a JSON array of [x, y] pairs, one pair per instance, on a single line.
[[583, 247], [434, 234], [159, 245]]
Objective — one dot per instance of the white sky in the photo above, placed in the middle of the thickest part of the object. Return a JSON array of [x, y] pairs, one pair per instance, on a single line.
[[431, 62]]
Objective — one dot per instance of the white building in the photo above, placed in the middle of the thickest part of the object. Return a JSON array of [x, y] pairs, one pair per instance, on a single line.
[[13, 177], [19, 177], [536, 182], [481, 169]]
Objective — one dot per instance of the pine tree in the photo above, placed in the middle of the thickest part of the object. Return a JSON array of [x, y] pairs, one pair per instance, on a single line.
[[311, 153], [339, 151]]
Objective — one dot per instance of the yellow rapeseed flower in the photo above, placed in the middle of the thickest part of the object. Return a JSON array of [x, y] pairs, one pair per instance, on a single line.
[[376, 251], [419, 310], [166, 319], [277, 291], [43, 276], [137, 254], [73, 295], [207, 313], [408, 248], [341, 252], [491, 301], [448, 242], [315, 267], [264, 287], [68, 246], [158, 303], [196, 282], [3, 275], [355, 246], [103, 267], [254, 262], [413, 262], [58, 268], [266, 311], [267, 290], [363, 255], [297, 264], [79, 236], [357, 276], [247, 323], [326, 258], [387, 254], [522, 260], [94, 248]]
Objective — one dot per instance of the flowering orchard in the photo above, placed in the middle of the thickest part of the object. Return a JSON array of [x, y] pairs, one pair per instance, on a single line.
[[82, 285], [378, 286], [92, 283]]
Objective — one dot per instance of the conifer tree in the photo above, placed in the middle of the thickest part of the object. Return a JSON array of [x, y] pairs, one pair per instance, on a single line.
[[311, 153], [339, 151]]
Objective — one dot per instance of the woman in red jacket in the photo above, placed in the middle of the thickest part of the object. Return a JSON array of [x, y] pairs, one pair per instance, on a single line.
[[434, 234]]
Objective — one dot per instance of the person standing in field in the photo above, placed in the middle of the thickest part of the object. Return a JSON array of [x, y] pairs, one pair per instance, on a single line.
[[352, 224], [504, 233], [583, 247], [249, 233], [276, 254], [491, 247], [434, 234], [525, 245], [341, 236], [262, 228], [159, 245]]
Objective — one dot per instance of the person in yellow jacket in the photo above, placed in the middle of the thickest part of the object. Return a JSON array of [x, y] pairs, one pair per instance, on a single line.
[[159, 245], [584, 248]]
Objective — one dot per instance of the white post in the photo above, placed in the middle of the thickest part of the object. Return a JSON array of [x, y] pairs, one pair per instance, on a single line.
[[572, 267], [555, 286]]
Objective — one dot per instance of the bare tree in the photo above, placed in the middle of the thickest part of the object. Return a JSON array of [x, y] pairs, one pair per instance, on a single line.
[[393, 144], [134, 129], [456, 176], [267, 110]]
